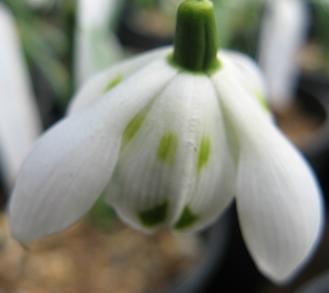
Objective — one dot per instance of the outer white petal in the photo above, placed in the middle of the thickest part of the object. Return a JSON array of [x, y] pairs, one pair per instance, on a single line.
[[248, 73], [282, 36], [70, 166], [278, 199], [148, 177], [100, 84], [19, 123], [95, 46]]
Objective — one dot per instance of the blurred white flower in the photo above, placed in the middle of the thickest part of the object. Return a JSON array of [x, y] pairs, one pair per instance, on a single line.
[[172, 148], [40, 3], [96, 46], [169, 6], [19, 124], [283, 33]]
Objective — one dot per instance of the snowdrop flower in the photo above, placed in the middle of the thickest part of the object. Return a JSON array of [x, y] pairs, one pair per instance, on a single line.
[[95, 46], [19, 124], [282, 36], [171, 137]]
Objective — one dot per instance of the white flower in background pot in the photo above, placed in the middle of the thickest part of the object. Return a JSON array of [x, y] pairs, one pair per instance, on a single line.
[[283, 33], [19, 123], [96, 47], [171, 138]]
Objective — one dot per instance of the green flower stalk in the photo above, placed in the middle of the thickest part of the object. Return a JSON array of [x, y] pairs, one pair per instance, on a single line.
[[196, 42]]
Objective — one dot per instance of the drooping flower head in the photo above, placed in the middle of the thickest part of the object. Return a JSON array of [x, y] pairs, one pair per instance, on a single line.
[[171, 137]]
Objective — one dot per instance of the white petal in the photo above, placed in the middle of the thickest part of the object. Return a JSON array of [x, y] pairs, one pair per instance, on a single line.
[[19, 123], [248, 73], [283, 33], [108, 79], [73, 162], [158, 175], [278, 199]]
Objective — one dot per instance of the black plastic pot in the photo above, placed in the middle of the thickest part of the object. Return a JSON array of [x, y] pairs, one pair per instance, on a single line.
[[237, 272], [3, 191], [313, 96], [317, 285], [215, 243]]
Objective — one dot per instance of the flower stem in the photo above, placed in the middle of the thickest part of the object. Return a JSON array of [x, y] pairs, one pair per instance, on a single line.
[[196, 44]]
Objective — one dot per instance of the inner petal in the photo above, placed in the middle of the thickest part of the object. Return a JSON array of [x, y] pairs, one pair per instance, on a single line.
[[170, 172]]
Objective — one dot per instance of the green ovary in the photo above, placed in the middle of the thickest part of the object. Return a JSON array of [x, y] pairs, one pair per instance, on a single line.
[[154, 216], [167, 148], [204, 153]]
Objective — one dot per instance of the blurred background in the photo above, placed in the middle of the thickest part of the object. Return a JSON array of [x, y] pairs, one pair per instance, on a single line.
[[49, 48]]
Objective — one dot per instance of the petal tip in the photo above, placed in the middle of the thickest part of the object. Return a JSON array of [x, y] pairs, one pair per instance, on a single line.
[[19, 234], [285, 274]]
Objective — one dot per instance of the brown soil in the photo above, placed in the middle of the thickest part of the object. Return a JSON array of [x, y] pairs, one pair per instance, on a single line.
[[87, 259], [298, 125]]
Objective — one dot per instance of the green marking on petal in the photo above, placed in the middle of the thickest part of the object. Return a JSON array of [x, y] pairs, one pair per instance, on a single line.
[[133, 126], [113, 83], [167, 148], [154, 216], [186, 219], [204, 153], [262, 101]]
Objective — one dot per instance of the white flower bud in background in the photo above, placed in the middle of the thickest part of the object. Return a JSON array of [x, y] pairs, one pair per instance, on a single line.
[[96, 47], [36, 4], [169, 6], [19, 123], [283, 33]]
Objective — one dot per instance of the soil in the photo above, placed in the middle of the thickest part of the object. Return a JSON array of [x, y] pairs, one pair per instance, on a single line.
[[88, 259], [313, 58]]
